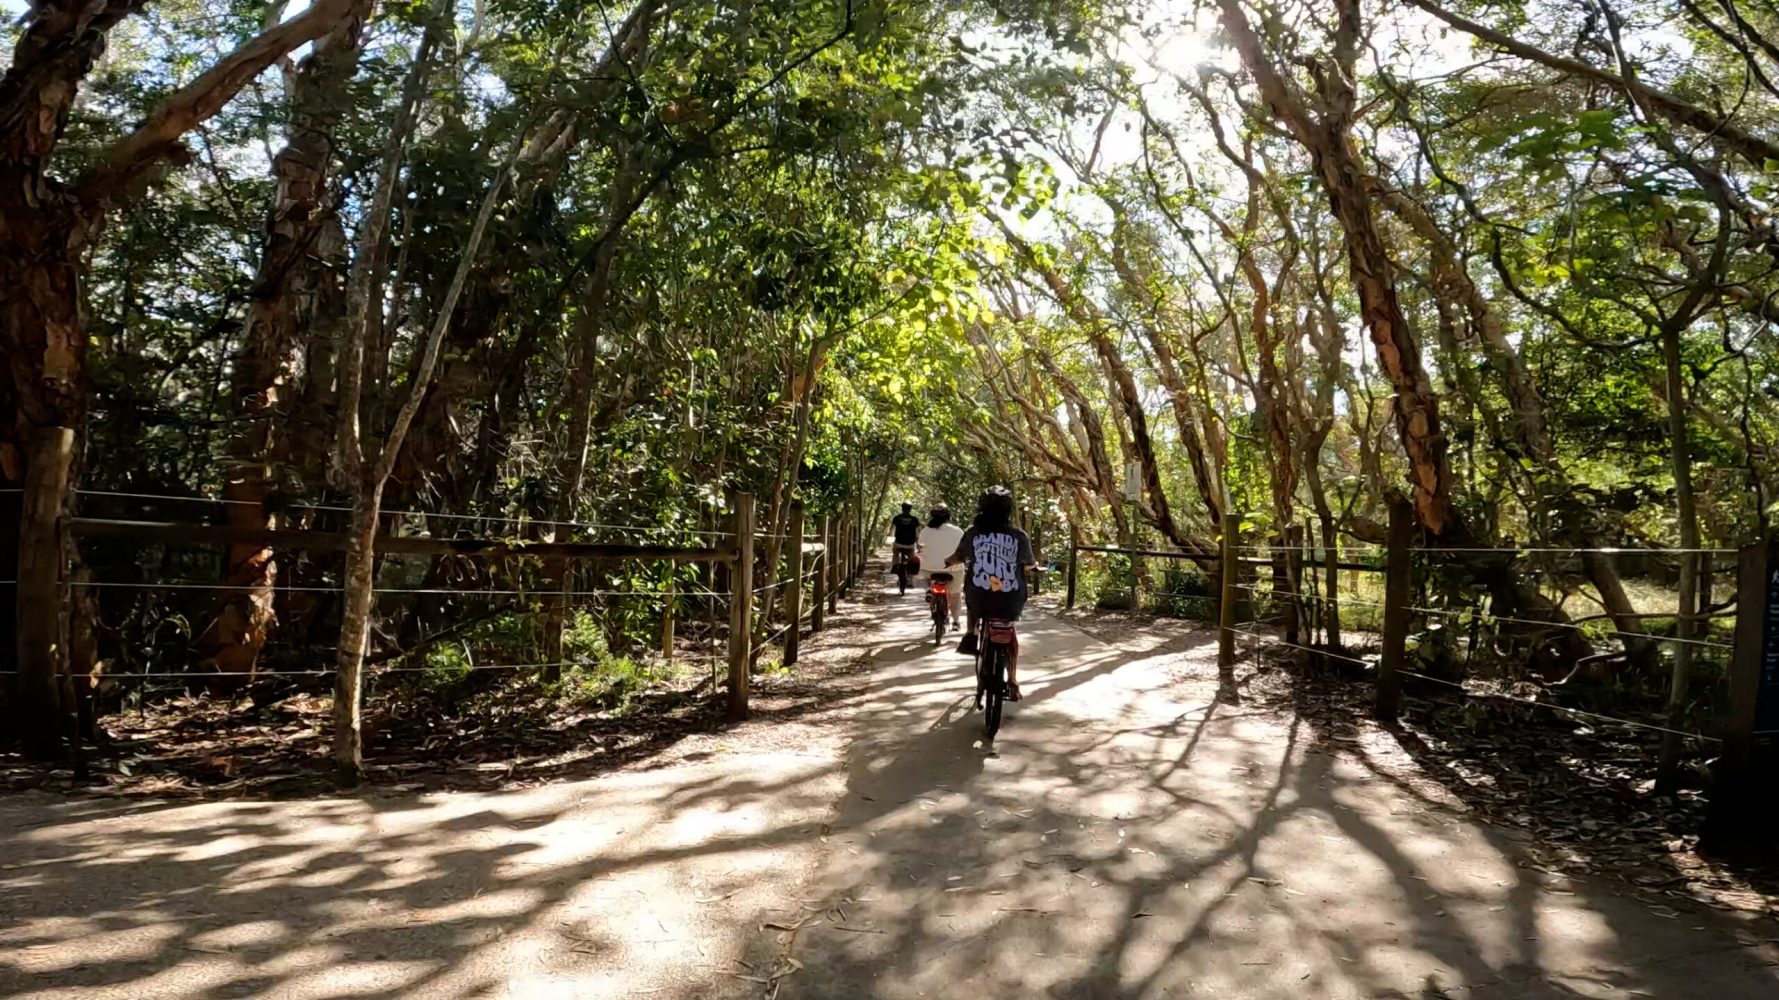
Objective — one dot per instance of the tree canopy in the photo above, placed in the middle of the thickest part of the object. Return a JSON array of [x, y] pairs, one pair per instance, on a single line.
[[1168, 270]]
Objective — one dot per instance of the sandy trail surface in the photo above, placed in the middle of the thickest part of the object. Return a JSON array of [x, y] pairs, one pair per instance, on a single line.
[[1127, 837]]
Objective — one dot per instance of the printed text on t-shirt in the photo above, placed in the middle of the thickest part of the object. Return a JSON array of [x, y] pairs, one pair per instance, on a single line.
[[996, 562]]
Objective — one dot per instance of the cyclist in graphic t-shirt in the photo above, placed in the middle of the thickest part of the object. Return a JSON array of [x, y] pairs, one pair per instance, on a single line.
[[999, 556], [907, 534]]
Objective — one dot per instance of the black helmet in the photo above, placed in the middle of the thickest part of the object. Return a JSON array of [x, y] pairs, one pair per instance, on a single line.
[[940, 514], [996, 502]]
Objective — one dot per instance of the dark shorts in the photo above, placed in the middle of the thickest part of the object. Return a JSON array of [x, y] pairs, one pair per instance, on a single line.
[[986, 604]]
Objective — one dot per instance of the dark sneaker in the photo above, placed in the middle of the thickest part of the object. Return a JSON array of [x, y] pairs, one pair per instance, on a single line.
[[968, 646], [1012, 692]]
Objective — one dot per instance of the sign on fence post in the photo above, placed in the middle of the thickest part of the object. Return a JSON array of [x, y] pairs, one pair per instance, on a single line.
[[741, 607], [793, 596], [1398, 583], [1745, 789]]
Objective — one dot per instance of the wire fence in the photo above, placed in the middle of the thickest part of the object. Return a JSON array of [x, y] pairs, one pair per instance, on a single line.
[[685, 591], [1308, 584], [1476, 615], [670, 595], [522, 519], [1325, 653]]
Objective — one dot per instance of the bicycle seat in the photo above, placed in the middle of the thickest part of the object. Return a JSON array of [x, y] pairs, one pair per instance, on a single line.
[[939, 577]]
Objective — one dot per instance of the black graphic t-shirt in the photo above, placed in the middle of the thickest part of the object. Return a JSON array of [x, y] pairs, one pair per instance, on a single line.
[[995, 584], [907, 528]]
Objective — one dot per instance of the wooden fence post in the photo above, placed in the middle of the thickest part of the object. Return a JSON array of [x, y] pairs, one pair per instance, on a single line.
[[856, 562], [793, 597], [1226, 600], [41, 638], [1745, 785], [1290, 567], [837, 563], [858, 547], [1136, 582], [741, 608], [818, 607], [837, 578], [833, 560], [558, 575], [843, 558], [1074, 554], [1398, 583], [669, 607]]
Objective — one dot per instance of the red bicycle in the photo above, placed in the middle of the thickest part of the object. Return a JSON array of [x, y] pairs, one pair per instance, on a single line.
[[939, 603], [994, 642]]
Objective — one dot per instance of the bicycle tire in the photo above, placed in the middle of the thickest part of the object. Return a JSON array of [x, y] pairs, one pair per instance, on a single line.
[[981, 661], [991, 708], [939, 627]]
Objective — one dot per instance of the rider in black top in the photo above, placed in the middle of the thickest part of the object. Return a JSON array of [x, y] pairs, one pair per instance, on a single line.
[[907, 527]]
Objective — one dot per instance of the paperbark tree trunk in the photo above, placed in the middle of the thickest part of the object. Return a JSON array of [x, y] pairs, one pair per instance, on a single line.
[[1124, 387], [46, 223], [1527, 429], [299, 268], [1325, 132]]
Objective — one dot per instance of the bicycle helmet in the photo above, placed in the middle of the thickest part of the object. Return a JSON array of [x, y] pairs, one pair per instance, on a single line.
[[996, 503]]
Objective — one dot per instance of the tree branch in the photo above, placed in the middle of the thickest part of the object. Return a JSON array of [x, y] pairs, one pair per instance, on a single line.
[[1749, 146], [131, 157]]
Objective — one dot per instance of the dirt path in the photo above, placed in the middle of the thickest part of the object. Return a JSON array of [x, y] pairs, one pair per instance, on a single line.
[[1130, 839], [1133, 839]]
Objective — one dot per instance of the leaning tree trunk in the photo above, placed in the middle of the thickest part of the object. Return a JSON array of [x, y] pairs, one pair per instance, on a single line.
[[46, 225], [1326, 135], [43, 401], [1123, 385], [299, 268], [1527, 429], [1323, 127], [1686, 508]]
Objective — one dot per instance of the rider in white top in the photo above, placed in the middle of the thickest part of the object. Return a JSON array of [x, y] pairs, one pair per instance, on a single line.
[[938, 541]]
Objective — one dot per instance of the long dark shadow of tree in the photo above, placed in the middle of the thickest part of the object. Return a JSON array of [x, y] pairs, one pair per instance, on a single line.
[[491, 733], [384, 895], [1199, 875], [367, 897], [1566, 791]]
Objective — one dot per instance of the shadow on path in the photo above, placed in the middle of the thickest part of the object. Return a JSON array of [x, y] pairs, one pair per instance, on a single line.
[[1135, 838]]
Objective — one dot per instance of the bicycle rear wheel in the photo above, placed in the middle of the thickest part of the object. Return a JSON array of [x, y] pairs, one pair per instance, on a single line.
[[939, 625], [996, 681]]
